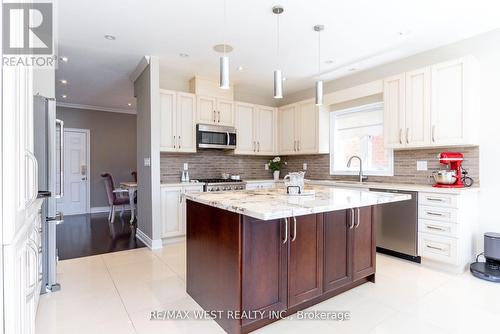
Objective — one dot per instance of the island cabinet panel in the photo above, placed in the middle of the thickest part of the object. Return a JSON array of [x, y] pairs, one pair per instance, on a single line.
[[337, 250], [213, 275], [305, 270], [364, 245], [264, 267]]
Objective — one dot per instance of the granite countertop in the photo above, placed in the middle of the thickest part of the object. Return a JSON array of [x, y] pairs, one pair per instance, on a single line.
[[275, 203]]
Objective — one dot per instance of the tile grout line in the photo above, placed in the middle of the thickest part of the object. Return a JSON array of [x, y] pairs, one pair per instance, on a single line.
[[119, 295]]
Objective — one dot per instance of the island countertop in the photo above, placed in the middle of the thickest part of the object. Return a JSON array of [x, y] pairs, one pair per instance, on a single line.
[[275, 203]]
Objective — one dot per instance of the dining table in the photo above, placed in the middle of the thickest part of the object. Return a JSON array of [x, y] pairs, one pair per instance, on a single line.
[[131, 187]]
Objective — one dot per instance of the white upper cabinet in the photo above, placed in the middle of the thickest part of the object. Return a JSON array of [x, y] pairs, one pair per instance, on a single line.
[[432, 106], [454, 106], [303, 129], [245, 140], [177, 117], [394, 111], [418, 107], [206, 110], [256, 127], [287, 138], [265, 130], [186, 126], [217, 111]]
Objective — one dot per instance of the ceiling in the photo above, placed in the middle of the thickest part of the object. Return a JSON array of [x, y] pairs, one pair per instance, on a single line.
[[358, 35]]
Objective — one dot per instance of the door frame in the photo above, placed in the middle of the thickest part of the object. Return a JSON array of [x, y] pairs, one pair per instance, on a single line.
[[87, 158]]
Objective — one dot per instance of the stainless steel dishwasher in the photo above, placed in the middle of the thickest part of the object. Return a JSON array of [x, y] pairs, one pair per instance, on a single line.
[[396, 226]]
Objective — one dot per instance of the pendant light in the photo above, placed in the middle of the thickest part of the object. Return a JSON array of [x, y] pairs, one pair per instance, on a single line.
[[278, 77], [224, 61], [319, 83]]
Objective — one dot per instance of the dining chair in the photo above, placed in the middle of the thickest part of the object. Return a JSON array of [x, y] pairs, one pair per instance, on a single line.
[[134, 175], [116, 196]]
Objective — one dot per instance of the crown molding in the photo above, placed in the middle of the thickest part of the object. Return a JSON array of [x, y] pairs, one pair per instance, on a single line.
[[97, 108]]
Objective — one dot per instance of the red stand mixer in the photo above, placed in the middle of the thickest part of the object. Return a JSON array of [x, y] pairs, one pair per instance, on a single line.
[[453, 177]]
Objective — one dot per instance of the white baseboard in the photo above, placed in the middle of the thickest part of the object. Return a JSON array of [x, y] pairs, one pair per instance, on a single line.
[[168, 241], [100, 209], [152, 244]]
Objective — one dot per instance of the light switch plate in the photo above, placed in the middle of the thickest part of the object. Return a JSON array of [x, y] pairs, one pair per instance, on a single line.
[[186, 166], [304, 166], [266, 167], [421, 165], [147, 162]]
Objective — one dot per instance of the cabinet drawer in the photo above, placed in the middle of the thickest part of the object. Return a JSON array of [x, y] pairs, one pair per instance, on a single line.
[[438, 228], [441, 200], [438, 248], [437, 213]]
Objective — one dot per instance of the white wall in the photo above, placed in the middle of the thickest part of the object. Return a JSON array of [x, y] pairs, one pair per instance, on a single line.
[[486, 48], [44, 82]]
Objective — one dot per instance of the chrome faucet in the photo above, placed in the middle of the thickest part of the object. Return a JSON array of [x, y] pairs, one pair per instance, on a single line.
[[361, 177]]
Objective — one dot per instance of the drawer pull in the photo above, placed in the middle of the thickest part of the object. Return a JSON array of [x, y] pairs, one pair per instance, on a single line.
[[436, 248], [434, 214], [435, 199], [435, 228]]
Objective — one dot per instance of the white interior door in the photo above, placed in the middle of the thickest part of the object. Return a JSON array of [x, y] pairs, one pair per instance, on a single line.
[[76, 171]]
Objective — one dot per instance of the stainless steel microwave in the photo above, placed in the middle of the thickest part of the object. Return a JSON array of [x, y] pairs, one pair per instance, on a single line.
[[215, 136]]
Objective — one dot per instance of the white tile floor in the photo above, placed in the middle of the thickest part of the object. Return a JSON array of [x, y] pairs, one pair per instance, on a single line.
[[114, 293]]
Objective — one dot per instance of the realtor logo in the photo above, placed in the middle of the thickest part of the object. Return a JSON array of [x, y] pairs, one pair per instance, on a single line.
[[28, 38]]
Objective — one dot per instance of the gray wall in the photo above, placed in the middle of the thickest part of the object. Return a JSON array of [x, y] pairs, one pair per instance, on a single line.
[[146, 91], [112, 146]]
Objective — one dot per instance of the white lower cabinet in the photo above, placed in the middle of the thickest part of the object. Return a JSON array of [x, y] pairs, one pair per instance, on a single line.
[[173, 209], [446, 229]]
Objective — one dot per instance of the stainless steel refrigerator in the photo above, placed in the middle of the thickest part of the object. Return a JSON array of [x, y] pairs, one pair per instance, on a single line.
[[49, 150]]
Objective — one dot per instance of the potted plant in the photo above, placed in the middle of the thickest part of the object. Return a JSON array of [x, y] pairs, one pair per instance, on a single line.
[[275, 165]]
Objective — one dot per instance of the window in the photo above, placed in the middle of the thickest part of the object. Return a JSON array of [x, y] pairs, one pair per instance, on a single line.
[[359, 131]]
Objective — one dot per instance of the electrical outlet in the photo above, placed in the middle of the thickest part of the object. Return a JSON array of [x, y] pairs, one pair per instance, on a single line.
[[266, 167], [304, 166], [421, 165], [186, 166]]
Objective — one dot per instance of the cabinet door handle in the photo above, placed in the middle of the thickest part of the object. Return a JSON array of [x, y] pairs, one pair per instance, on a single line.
[[357, 218], [179, 141], [180, 198], [174, 141], [298, 145], [258, 146], [34, 186], [436, 248], [407, 135], [351, 225], [294, 228], [435, 199], [433, 133], [435, 214], [430, 227], [401, 136], [218, 116], [214, 115], [286, 231]]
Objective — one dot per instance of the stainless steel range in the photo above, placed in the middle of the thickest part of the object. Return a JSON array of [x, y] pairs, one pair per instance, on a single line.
[[222, 184]]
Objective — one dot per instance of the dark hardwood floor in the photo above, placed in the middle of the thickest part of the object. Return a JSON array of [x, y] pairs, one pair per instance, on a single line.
[[92, 234]]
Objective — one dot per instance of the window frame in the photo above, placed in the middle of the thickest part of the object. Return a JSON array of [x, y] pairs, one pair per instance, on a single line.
[[333, 116]]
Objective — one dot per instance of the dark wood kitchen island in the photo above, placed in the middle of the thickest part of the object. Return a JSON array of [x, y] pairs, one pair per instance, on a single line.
[[254, 257]]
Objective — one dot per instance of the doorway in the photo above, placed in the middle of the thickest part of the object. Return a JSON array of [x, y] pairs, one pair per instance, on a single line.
[[76, 167]]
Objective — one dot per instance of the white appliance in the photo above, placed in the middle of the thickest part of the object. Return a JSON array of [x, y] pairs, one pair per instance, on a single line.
[[49, 154]]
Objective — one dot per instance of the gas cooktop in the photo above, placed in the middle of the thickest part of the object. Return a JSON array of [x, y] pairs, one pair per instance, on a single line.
[[217, 180]]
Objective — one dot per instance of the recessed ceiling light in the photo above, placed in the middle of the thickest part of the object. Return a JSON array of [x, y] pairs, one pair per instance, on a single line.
[[223, 48], [63, 81], [240, 68], [329, 61], [183, 55], [110, 37], [404, 32], [64, 59], [129, 104], [352, 69], [284, 79], [64, 96]]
